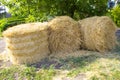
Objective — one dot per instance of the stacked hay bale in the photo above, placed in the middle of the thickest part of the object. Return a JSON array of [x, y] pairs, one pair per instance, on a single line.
[[98, 33], [64, 35], [27, 43]]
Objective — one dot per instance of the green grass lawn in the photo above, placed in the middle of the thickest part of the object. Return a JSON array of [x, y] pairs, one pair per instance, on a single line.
[[25, 73], [89, 66]]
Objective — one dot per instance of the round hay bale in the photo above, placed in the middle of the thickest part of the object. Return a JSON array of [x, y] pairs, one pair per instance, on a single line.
[[27, 43], [64, 35], [98, 33]]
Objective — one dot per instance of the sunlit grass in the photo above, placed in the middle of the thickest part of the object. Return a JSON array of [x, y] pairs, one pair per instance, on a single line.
[[95, 67], [26, 73], [101, 68]]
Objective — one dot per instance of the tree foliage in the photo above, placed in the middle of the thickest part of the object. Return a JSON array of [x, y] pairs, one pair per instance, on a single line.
[[115, 15], [46, 9]]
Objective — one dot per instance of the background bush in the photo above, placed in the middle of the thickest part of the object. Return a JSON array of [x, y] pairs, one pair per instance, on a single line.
[[8, 22], [43, 9], [115, 15]]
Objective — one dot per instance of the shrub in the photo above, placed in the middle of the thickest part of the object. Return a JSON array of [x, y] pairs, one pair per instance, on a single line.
[[115, 15], [8, 22], [30, 18], [40, 8]]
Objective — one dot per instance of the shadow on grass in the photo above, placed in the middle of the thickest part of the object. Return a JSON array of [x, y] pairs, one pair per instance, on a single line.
[[68, 63], [77, 62], [117, 48]]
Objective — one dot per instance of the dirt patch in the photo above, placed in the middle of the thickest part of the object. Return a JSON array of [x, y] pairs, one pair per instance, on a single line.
[[2, 45]]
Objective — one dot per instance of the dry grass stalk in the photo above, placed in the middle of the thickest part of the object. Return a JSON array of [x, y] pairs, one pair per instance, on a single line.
[[24, 30], [27, 43], [64, 35], [98, 33], [27, 59], [27, 38]]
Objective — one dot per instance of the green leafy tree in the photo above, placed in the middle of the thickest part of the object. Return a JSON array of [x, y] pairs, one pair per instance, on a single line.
[[83, 8], [115, 15], [43, 9]]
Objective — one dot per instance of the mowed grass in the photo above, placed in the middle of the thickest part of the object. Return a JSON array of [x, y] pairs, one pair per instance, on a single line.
[[26, 73], [89, 66], [104, 67]]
